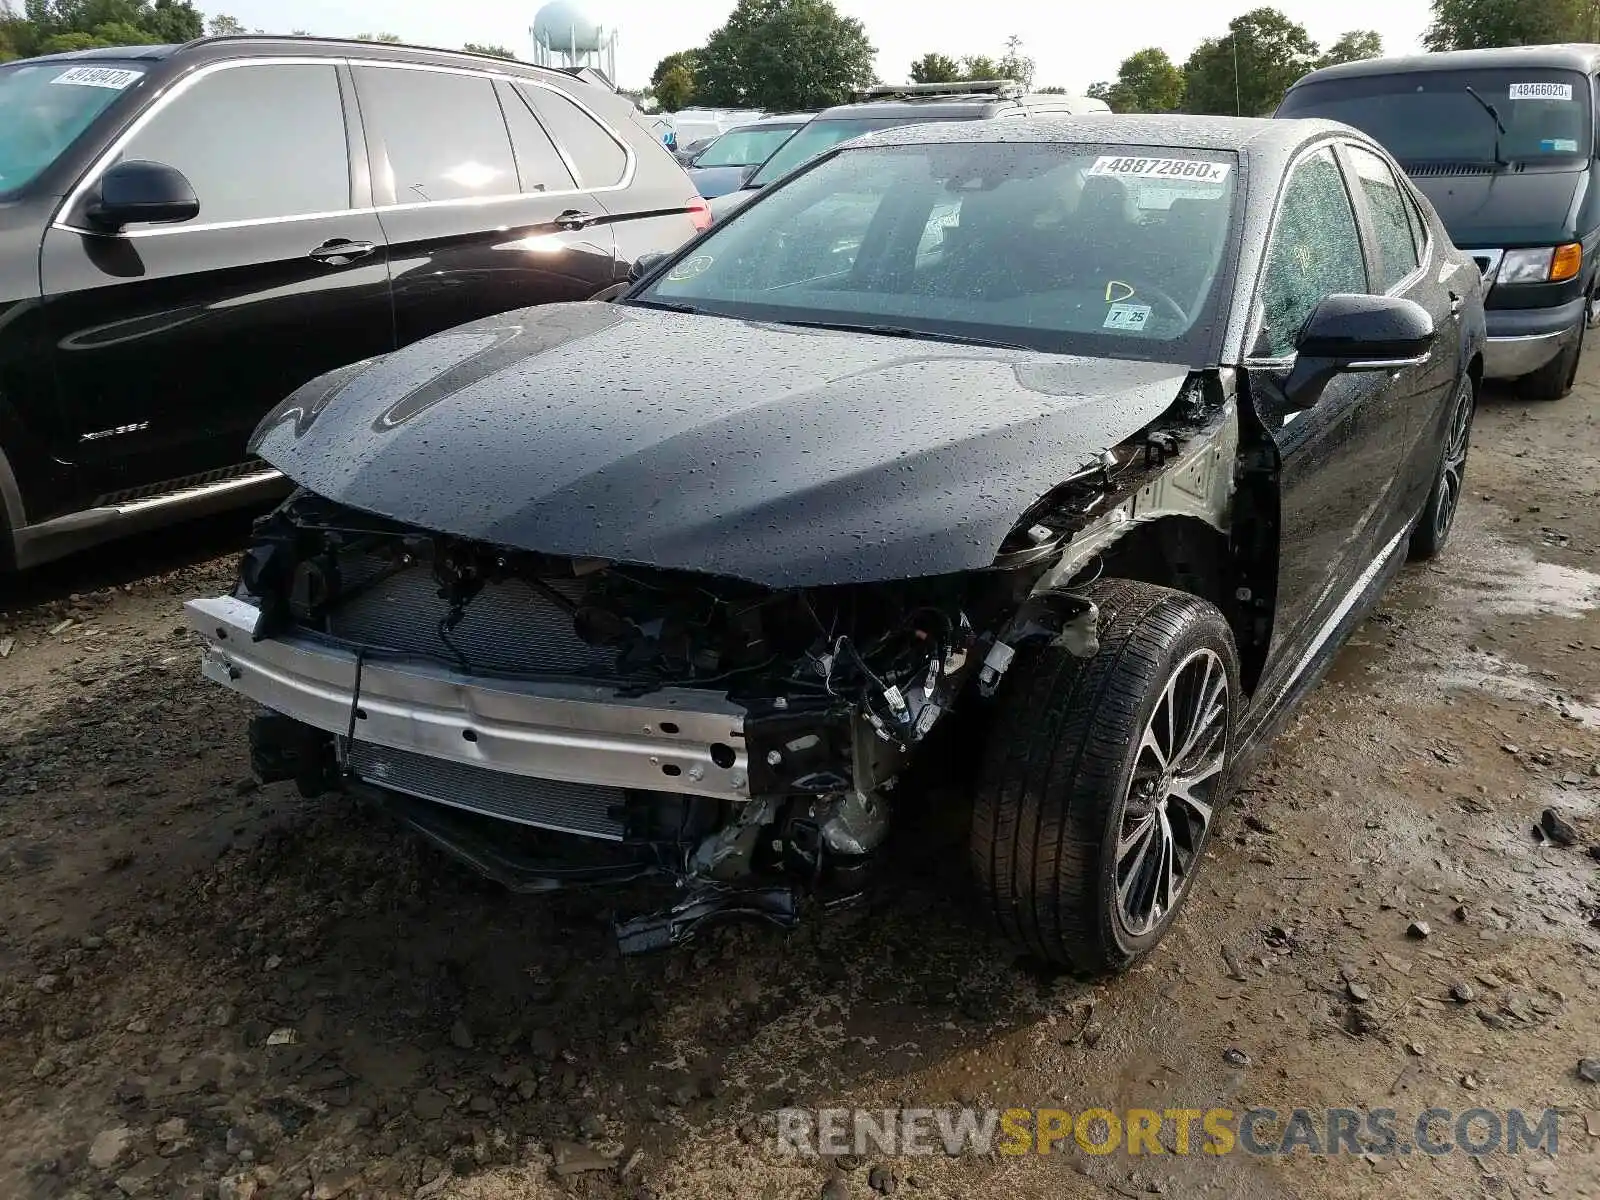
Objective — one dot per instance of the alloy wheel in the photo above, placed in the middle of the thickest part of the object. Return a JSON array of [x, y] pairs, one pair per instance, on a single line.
[[1168, 808], [1453, 471]]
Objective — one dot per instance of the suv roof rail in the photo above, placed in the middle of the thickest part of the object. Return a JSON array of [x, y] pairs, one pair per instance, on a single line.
[[1006, 89]]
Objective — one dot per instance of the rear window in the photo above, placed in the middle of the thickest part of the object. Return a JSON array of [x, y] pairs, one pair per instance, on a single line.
[[600, 160], [1436, 116]]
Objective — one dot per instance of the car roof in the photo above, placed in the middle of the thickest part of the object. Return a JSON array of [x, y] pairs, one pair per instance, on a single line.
[[1245, 135], [119, 52], [1566, 57], [283, 44], [932, 107]]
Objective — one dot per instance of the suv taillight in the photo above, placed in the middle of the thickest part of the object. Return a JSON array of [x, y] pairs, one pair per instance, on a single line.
[[700, 214]]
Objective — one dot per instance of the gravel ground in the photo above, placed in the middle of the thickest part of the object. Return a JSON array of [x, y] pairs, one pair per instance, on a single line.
[[211, 989]]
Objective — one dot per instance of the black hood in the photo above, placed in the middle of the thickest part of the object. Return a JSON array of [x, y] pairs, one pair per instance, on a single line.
[[1507, 208], [785, 456]]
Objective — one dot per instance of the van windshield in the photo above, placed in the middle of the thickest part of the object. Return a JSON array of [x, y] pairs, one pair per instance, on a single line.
[[45, 106], [1430, 116]]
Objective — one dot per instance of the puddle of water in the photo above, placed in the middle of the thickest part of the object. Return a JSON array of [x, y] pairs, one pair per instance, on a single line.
[[1486, 574], [1513, 681]]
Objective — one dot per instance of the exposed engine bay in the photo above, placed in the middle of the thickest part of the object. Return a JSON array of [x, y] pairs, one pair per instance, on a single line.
[[559, 722]]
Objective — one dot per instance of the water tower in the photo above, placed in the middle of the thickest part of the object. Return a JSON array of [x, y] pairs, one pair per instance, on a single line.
[[567, 36]]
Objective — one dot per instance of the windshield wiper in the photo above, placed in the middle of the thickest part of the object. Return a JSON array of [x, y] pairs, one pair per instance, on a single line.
[[901, 331], [664, 304], [1499, 125]]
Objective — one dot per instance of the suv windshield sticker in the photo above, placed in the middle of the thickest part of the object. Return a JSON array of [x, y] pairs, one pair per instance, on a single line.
[[1190, 170], [103, 77], [1131, 317], [1559, 145], [1541, 91]]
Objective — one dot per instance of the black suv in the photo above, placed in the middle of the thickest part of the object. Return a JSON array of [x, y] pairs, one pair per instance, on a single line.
[[189, 233], [1503, 142], [890, 105]]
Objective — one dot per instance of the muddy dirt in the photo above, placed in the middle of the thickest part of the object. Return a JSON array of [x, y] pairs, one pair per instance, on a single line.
[[212, 989]]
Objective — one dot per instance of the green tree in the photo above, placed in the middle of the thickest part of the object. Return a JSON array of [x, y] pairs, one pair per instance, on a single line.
[[1477, 24], [1052, 91], [223, 25], [1147, 82], [390, 38], [1248, 70], [689, 60], [935, 68], [980, 66], [48, 26], [1353, 47], [676, 89], [1100, 89], [1014, 64], [784, 55], [488, 48]]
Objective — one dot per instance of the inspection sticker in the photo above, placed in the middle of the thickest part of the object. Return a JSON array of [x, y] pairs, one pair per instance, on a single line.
[[102, 77], [1190, 170], [1541, 91], [1130, 317]]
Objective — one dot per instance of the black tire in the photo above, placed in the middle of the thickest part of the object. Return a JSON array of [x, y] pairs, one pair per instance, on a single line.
[[1444, 500], [1058, 780], [1554, 380]]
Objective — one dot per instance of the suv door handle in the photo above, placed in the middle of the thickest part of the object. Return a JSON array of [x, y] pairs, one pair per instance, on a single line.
[[573, 219], [337, 252], [1455, 304]]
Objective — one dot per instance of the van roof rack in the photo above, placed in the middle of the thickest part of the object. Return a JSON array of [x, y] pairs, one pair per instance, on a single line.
[[1006, 89]]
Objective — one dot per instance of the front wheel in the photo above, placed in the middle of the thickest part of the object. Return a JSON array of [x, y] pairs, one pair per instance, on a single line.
[[1102, 778], [1556, 378], [1439, 513]]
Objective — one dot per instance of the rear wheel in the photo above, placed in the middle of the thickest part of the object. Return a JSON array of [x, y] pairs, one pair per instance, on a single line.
[[1439, 514], [1555, 379], [1102, 777]]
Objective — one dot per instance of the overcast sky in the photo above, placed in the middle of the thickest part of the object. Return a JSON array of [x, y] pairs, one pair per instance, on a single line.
[[1073, 43]]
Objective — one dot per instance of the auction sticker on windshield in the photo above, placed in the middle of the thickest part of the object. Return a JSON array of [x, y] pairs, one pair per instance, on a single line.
[[103, 77], [1196, 170], [1541, 91]]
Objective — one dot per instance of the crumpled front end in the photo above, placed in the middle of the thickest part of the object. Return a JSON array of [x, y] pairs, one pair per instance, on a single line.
[[733, 737]]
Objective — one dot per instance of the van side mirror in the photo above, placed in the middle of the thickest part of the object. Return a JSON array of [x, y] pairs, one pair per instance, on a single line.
[[1348, 333], [137, 191]]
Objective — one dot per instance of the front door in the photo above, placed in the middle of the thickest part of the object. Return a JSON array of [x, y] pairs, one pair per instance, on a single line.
[[171, 342], [1340, 458], [481, 213]]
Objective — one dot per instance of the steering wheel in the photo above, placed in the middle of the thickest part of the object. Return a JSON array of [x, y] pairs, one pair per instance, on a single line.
[[1165, 301]]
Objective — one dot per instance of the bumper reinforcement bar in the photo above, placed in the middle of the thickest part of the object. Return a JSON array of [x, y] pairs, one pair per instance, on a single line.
[[680, 740]]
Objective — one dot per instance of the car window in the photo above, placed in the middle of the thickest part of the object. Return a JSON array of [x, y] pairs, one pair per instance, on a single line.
[[1386, 203], [1315, 251], [435, 135], [1419, 223], [44, 107], [255, 142], [539, 164], [1111, 250], [601, 162], [745, 147]]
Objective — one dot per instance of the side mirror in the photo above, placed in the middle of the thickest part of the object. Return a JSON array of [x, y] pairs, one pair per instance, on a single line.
[[142, 191], [646, 263], [1348, 333]]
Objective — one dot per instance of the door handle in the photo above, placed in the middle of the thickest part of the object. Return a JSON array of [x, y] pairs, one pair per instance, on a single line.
[[573, 219], [337, 252], [1455, 304]]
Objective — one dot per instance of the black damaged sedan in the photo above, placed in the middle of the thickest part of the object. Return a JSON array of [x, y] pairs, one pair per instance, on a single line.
[[1078, 444]]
